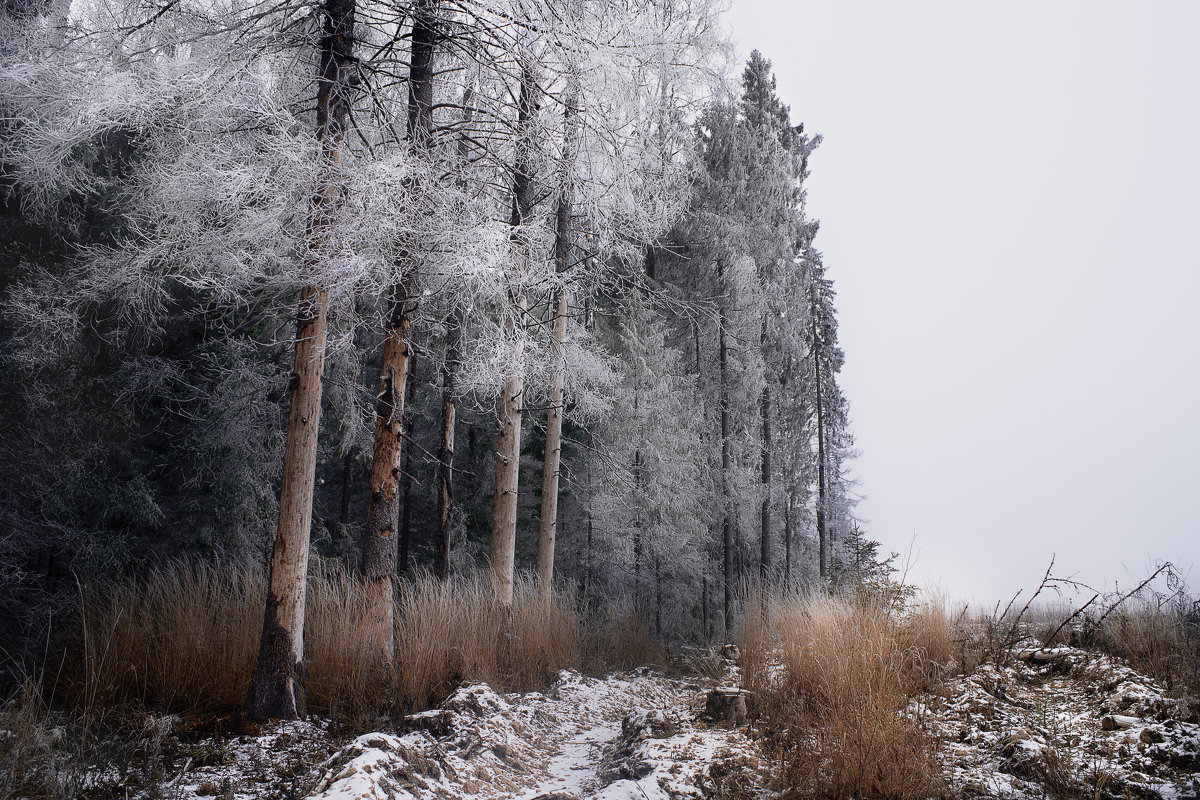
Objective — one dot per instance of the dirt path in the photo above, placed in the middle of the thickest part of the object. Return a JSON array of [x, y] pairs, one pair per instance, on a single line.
[[624, 737]]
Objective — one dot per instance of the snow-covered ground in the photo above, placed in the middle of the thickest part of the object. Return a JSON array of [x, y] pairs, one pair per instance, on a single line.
[[624, 736], [1081, 724], [629, 736]]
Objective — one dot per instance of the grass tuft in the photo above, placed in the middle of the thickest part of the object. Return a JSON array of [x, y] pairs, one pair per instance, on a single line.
[[835, 676]]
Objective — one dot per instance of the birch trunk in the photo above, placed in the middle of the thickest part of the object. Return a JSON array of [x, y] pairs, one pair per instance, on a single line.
[[277, 689]]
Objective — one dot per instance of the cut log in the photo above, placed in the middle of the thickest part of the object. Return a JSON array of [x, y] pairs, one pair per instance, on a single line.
[[1117, 722], [1042, 655]]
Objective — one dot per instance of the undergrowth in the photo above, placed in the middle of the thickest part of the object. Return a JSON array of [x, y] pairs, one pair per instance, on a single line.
[[185, 638], [832, 677]]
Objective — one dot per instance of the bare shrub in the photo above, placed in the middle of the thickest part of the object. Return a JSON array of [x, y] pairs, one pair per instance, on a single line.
[[1161, 639], [835, 676]]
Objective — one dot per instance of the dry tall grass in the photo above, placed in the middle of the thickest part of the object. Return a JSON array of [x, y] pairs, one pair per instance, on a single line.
[[1158, 635], [1162, 641], [185, 638], [835, 677]]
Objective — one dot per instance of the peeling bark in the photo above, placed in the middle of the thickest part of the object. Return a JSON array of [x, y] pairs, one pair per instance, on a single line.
[[379, 535], [277, 689]]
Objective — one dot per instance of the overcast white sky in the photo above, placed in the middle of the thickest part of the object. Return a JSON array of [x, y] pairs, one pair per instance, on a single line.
[[1009, 196]]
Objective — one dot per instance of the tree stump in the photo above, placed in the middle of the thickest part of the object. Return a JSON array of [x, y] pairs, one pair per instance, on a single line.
[[726, 704]]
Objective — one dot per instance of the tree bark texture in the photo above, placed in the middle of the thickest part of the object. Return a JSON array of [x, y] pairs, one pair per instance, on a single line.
[[383, 502], [379, 535], [504, 497], [787, 540], [277, 689], [406, 476], [508, 440]]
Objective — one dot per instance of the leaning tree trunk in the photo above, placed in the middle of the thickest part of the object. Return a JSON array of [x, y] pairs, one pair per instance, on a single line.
[[277, 689], [508, 440], [379, 535]]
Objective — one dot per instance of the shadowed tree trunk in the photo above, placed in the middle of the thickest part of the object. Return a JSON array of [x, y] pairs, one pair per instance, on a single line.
[[727, 538], [379, 535], [508, 441], [787, 540], [407, 473], [277, 689], [441, 558], [764, 571]]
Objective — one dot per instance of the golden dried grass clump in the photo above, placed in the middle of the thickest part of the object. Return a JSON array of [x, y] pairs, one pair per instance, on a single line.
[[834, 676]]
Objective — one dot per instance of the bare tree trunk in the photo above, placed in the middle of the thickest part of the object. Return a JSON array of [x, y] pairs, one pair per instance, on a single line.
[[407, 474], [638, 537], [508, 442], [822, 538], [548, 528], [347, 488], [787, 540], [727, 538], [552, 463], [658, 598], [277, 689], [504, 497], [441, 561], [765, 565], [379, 542], [383, 503]]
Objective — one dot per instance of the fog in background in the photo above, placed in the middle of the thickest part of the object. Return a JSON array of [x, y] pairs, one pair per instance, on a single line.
[[1009, 196]]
